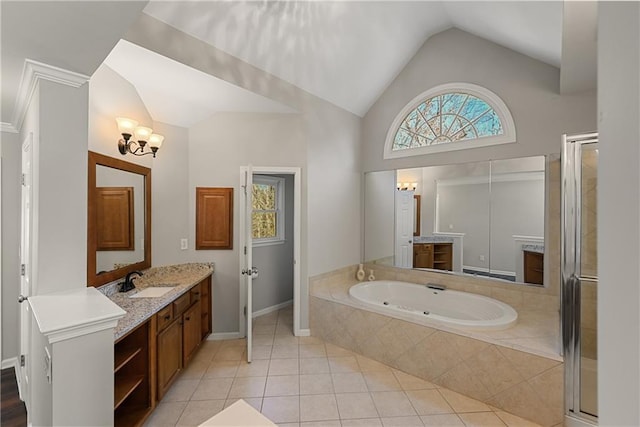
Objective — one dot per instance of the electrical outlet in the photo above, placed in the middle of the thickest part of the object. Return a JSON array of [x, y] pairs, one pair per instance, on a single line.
[[482, 258], [183, 244], [450, 226]]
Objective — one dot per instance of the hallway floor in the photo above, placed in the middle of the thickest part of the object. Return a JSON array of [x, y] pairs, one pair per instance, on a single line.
[[304, 381]]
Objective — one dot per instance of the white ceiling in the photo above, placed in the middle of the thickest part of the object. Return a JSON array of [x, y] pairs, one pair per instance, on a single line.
[[348, 52], [180, 95]]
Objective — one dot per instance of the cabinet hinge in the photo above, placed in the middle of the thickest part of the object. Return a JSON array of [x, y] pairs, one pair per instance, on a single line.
[[22, 269], [22, 360], [245, 311], [22, 179], [245, 250]]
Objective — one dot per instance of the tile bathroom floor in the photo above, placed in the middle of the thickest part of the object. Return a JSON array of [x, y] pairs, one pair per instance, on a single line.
[[304, 381]]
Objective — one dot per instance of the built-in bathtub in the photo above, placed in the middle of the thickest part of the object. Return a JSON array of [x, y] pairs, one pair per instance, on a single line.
[[431, 305]]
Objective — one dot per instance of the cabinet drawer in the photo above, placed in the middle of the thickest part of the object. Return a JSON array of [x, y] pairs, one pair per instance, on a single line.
[[165, 316], [422, 247], [196, 292], [181, 304]]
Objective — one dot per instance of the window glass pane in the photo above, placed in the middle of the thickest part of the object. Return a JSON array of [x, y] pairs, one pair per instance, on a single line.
[[264, 197], [263, 225]]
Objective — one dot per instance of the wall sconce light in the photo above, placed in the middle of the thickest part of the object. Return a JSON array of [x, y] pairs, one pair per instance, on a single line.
[[143, 135], [406, 186]]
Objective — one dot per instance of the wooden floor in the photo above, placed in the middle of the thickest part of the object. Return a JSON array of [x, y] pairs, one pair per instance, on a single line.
[[13, 413]]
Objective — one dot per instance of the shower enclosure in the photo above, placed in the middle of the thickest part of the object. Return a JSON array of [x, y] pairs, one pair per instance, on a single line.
[[580, 274]]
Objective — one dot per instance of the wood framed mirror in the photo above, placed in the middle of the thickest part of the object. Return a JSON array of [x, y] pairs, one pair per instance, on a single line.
[[119, 219]]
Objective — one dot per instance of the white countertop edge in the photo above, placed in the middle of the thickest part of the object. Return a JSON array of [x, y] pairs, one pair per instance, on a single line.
[[73, 313]]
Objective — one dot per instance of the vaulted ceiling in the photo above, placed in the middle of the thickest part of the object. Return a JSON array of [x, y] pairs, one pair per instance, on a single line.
[[344, 52]]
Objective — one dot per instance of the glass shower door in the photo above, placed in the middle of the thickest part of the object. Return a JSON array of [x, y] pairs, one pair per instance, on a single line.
[[580, 274]]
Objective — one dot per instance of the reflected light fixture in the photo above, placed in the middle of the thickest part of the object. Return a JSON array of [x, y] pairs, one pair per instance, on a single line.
[[403, 186], [143, 135]]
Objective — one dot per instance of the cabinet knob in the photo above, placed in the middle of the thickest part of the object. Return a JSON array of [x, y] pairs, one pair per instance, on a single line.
[[167, 317], [187, 318]]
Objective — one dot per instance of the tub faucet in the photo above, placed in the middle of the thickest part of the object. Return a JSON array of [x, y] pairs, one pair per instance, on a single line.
[[436, 287], [128, 284]]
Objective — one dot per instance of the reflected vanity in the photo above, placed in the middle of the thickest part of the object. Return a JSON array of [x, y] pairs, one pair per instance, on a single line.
[[119, 219], [485, 219]]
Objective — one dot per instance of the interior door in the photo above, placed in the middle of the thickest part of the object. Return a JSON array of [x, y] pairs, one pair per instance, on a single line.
[[248, 269], [25, 269], [404, 229]]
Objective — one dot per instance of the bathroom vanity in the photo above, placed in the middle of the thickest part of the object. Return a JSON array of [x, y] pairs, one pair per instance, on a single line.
[[158, 336]]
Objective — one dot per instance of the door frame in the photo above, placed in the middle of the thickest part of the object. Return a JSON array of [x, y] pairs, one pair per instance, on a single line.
[[297, 206]]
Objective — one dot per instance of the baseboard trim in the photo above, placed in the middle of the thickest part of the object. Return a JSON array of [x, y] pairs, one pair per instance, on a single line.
[[303, 333], [271, 309], [11, 362], [577, 422], [217, 336]]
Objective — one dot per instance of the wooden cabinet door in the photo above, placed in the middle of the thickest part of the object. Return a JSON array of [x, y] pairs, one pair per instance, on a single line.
[[214, 218], [422, 255], [192, 334], [205, 307], [169, 356]]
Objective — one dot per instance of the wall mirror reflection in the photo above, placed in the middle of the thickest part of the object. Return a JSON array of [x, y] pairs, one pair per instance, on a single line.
[[484, 219], [119, 219]]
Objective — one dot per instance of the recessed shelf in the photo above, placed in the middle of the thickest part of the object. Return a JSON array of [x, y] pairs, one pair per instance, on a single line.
[[124, 387], [124, 356]]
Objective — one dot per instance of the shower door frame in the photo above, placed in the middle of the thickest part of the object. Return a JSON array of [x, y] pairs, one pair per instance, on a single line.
[[570, 247]]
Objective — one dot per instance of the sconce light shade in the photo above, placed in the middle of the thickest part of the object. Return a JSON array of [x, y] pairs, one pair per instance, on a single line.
[[126, 125], [143, 135]]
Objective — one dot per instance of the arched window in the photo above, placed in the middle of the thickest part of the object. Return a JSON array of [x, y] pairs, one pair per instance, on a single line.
[[450, 117]]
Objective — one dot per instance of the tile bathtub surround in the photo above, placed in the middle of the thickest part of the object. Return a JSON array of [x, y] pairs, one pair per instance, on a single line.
[[517, 382], [181, 277], [323, 385]]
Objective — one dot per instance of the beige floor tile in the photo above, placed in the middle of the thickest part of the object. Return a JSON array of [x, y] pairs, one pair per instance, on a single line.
[[213, 389], [336, 351], [343, 364], [356, 405], [316, 365], [410, 382], [429, 402], [222, 369], [481, 419], [256, 402], [318, 407], [257, 368], [247, 387], [316, 384], [514, 421], [442, 420], [310, 340], [392, 404], [349, 382], [259, 340], [461, 403], [312, 350], [241, 342], [381, 381], [194, 371], [283, 367], [325, 423], [414, 421], [166, 414], [282, 385], [230, 353], [288, 424], [264, 329], [283, 409], [259, 352], [267, 319], [181, 391], [369, 365], [199, 411], [284, 330], [362, 422], [284, 351]]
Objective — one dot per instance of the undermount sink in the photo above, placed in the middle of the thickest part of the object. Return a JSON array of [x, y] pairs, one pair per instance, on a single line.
[[152, 292]]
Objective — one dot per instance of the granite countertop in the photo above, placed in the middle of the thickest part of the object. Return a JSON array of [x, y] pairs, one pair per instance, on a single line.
[[433, 239], [181, 278], [533, 248]]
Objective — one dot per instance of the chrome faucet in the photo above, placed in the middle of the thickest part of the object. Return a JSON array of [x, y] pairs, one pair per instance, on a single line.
[[128, 284]]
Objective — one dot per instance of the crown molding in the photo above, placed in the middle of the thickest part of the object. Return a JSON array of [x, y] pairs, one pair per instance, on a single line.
[[32, 73], [8, 127]]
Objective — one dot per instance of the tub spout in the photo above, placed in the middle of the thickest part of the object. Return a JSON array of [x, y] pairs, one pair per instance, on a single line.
[[436, 287]]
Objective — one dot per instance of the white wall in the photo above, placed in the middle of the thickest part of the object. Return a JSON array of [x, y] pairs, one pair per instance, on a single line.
[[619, 213], [11, 167], [379, 212], [217, 148], [527, 86], [274, 284]]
